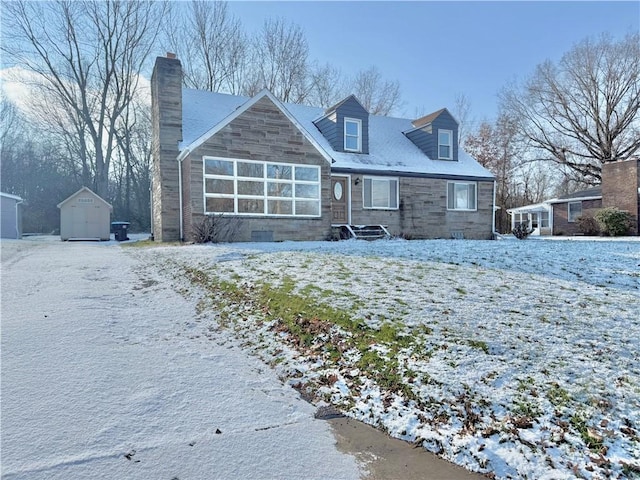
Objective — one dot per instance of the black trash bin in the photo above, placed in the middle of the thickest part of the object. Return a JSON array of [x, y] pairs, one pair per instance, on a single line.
[[119, 230]]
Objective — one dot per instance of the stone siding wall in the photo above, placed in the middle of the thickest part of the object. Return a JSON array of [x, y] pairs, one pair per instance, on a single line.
[[423, 213], [263, 133]]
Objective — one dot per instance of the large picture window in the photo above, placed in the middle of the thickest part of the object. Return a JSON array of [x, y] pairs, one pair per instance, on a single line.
[[381, 193], [245, 187], [461, 196]]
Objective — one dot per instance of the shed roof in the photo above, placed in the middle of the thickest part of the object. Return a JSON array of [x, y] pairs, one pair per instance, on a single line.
[[12, 197], [85, 189], [390, 151]]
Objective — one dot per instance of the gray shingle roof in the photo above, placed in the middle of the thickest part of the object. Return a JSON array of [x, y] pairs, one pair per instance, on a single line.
[[390, 151]]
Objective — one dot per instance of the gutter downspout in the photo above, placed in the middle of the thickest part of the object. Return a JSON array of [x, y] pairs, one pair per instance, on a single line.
[[18, 232], [181, 157], [493, 217]]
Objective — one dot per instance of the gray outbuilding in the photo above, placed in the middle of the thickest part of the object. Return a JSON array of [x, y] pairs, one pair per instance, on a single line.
[[11, 216], [85, 216]]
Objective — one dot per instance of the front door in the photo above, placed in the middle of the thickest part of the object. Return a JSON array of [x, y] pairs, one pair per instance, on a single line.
[[339, 200], [535, 224]]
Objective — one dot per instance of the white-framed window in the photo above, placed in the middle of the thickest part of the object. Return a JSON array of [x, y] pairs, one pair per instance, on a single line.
[[544, 219], [249, 187], [575, 210], [380, 193], [462, 196], [445, 144], [352, 135]]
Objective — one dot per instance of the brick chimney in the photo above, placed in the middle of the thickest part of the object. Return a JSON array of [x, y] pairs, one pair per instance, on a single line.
[[621, 188], [166, 110]]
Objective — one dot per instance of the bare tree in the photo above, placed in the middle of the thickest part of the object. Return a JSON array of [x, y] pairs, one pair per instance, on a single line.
[[87, 56], [497, 148], [280, 59], [9, 120], [462, 111], [328, 86], [212, 44], [584, 110], [378, 96], [131, 177]]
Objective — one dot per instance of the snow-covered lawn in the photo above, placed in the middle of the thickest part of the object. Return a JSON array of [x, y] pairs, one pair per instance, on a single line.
[[520, 359]]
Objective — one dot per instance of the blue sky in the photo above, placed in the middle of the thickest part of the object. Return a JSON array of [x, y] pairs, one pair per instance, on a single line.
[[437, 50]]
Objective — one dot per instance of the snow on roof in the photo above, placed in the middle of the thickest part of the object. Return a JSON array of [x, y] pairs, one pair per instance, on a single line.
[[535, 207], [390, 151], [12, 197], [87, 190], [588, 194]]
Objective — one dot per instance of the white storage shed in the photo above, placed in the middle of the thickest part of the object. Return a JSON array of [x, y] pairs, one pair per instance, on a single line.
[[11, 216], [85, 216]]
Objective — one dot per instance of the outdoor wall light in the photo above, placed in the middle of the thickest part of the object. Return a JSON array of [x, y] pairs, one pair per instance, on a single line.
[[357, 181]]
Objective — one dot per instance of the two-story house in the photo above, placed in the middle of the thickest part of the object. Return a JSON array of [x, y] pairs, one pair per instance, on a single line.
[[295, 172]]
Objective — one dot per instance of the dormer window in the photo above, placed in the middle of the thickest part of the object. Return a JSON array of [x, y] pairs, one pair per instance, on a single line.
[[445, 144], [352, 135]]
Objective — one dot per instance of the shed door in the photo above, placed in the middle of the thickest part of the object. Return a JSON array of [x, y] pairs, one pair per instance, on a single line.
[[339, 200], [85, 220], [79, 221]]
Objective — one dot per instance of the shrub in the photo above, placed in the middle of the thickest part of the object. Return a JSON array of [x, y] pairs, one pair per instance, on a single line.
[[613, 221], [588, 225], [521, 231], [215, 229]]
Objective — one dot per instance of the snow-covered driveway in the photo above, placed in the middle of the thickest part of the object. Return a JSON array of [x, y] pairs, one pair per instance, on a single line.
[[98, 382]]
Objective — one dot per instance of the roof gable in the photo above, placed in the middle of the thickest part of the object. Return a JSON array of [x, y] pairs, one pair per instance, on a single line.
[[427, 119], [90, 192], [425, 131], [239, 110], [430, 118], [350, 98], [332, 124]]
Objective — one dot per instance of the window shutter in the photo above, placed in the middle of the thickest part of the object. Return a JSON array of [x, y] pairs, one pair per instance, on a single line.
[[472, 196], [393, 194], [367, 192], [451, 196]]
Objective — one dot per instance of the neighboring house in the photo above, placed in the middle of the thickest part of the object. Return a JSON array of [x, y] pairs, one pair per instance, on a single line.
[[85, 216], [293, 172], [568, 208], [10, 216], [620, 188], [537, 217]]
